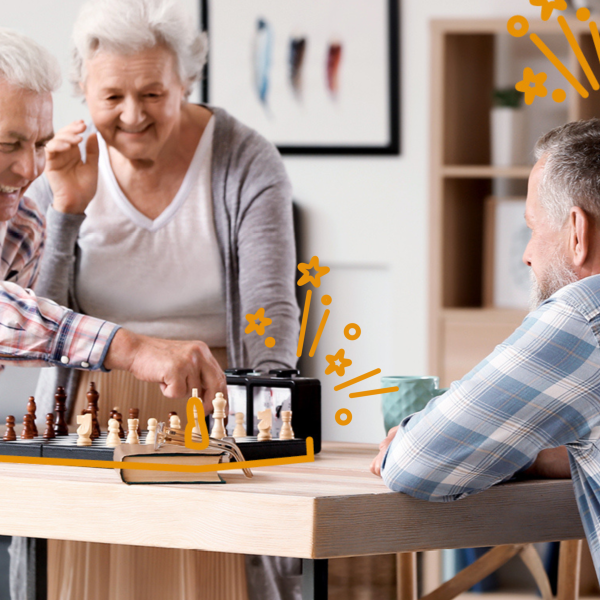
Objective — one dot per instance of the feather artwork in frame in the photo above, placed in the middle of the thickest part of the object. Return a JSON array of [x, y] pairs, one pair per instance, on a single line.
[[297, 53], [263, 46]]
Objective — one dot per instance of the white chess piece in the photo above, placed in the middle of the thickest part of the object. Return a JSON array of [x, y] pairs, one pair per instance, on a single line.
[[264, 425], [240, 430], [84, 431], [151, 437], [174, 422], [286, 432], [218, 430], [113, 439], [132, 435], [196, 428]]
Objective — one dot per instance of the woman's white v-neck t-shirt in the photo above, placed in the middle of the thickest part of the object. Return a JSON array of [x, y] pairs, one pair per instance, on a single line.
[[161, 277]]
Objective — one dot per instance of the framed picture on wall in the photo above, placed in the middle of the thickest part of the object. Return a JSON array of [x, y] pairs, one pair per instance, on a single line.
[[312, 76]]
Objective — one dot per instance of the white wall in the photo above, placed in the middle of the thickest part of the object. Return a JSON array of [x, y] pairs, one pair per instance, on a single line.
[[366, 217]]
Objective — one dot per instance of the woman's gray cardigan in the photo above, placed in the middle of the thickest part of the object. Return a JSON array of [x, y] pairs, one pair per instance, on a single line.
[[253, 220]]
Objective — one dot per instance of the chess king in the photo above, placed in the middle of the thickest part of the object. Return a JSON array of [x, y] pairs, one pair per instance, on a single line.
[[35, 331]]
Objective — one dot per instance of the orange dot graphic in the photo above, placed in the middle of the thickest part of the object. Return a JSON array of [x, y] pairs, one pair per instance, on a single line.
[[517, 26], [559, 96], [583, 14], [326, 300], [355, 329], [343, 412], [270, 342]]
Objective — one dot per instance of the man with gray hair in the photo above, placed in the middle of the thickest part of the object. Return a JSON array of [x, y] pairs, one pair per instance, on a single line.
[[533, 405]]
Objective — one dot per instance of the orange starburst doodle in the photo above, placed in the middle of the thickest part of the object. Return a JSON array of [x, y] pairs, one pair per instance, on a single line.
[[532, 85], [262, 322], [549, 6], [315, 279], [333, 360]]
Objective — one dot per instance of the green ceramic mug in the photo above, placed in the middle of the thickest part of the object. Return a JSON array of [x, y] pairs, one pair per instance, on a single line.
[[412, 396]]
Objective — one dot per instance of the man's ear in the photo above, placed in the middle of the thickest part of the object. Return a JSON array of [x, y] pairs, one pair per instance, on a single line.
[[579, 235]]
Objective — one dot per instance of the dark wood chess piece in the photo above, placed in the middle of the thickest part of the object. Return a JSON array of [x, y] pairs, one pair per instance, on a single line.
[[9, 434], [31, 410], [60, 424], [92, 398], [134, 413], [49, 433], [119, 417], [27, 433]]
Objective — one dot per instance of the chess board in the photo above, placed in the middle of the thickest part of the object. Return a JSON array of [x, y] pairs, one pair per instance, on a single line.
[[66, 447]]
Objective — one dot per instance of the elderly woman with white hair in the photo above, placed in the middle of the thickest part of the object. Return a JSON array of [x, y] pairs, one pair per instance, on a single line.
[[177, 223]]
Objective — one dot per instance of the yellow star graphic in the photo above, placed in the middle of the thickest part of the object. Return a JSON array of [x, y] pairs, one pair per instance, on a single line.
[[333, 360], [258, 327], [532, 85], [548, 6], [304, 268]]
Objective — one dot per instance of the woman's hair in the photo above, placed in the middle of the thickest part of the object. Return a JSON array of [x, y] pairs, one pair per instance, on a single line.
[[128, 26], [25, 64], [571, 174]]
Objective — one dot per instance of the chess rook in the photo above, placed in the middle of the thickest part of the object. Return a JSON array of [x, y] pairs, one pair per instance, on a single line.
[[218, 430], [286, 432], [60, 424], [9, 434]]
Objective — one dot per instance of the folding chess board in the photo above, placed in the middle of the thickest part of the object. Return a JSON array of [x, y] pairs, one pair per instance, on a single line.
[[66, 447]]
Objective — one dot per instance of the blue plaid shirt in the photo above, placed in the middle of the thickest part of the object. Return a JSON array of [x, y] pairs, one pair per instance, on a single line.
[[538, 389]]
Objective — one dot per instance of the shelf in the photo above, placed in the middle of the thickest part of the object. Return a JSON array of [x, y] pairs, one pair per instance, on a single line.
[[486, 172]]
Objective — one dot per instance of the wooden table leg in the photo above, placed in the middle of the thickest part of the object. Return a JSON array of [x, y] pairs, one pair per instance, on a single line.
[[406, 576], [569, 563], [37, 569], [314, 579]]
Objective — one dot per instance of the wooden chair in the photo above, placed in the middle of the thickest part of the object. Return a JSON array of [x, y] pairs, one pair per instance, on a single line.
[[568, 572]]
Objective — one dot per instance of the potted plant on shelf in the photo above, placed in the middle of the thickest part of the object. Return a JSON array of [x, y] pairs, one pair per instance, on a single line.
[[507, 128]]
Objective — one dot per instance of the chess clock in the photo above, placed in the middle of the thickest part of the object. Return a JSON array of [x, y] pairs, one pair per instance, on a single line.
[[279, 390]]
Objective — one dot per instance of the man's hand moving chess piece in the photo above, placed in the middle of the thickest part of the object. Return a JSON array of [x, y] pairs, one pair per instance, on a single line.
[[177, 366]]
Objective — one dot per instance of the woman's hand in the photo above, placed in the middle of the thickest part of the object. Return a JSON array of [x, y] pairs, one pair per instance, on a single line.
[[73, 181], [376, 464]]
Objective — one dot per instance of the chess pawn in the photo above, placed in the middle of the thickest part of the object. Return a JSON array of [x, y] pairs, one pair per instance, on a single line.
[[27, 433], [218, 430], [132, 433], [31, 410], [240, 430], [49, 433], [264, 425], [119, 418], [60, 424], [113, 439], [174, 422], [151, 437], [84, 431], [9, 434], [286, 432]]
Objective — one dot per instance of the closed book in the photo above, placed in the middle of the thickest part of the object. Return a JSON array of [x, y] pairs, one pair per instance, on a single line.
[[166, 455]]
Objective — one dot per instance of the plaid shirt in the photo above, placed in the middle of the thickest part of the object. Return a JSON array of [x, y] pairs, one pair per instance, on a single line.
[[35, 331], [539, 389]]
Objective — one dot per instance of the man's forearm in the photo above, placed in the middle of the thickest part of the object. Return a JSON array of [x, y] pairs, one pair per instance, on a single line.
[[552, 463]]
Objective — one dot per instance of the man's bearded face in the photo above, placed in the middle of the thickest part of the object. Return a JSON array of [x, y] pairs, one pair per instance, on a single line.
[[558, 273]]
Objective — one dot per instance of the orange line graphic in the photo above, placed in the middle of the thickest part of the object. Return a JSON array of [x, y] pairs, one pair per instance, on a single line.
[[304, 322], [374, 392], [559, 65], [595, 37], [319, 332], [578, 53], [358, 379], [135, 466]]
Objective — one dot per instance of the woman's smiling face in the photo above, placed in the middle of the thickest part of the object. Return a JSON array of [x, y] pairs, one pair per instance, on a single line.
[[135, 100]]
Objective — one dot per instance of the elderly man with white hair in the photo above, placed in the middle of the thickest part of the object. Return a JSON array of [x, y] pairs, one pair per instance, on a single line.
[[533, 405]]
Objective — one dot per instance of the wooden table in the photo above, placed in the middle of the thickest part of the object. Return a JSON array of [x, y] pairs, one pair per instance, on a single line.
[[331, 508]]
